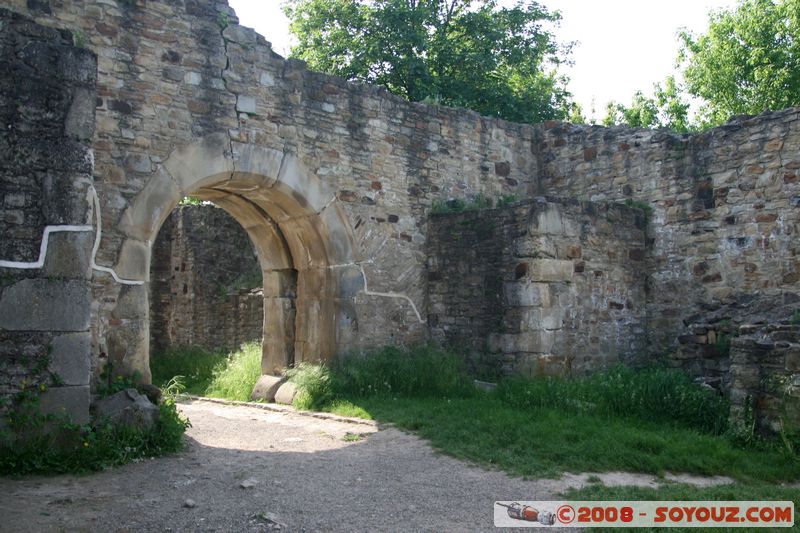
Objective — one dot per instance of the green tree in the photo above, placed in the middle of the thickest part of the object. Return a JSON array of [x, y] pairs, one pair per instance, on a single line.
[[495, 60], [747, 62], [667, 108]]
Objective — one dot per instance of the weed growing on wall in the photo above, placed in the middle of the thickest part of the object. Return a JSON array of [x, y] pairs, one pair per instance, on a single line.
[[507, 199], [457, 205], [644, 206]]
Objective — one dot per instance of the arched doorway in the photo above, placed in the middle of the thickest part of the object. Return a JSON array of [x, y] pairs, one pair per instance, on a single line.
[[304, 243]]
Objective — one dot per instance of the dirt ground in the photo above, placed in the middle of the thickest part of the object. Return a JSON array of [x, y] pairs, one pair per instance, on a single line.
[[250, 469]]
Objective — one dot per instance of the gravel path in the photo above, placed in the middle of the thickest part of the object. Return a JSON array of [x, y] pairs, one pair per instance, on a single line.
[[248, 469]]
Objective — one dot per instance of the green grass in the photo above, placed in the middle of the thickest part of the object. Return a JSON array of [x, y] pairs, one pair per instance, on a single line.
[[194, 364], [624, 392], [546, 442], [682, 492], [218, 375], [77, 449], [653, 420], [236, 378]]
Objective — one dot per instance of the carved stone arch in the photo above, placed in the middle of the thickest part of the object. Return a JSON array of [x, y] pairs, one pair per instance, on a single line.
[[303, 239]]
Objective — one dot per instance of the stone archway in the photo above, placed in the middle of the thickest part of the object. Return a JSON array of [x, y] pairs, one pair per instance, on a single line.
[[302, 237]]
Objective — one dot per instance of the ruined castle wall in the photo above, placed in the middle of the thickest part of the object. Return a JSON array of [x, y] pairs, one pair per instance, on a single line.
[[170, 73], [205, 283], [551, 286], [47, 120], [724, 227], [765, 376]]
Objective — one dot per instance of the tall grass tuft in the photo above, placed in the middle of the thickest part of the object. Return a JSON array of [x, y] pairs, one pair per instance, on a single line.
[[653, 394], [315, 392], [235, 379], [418, 372], [195, 365]]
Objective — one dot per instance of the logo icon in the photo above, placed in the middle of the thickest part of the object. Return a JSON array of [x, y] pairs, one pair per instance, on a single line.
[[517, 511], [565, 514]]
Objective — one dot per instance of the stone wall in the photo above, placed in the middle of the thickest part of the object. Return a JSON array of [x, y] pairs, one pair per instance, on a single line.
[[188, 99], [765, 376], [546, 286], [205, 282], [47, 119], [726, 213], [333, 183]]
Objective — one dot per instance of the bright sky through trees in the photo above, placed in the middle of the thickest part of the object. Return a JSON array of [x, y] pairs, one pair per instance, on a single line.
[[623, 45]]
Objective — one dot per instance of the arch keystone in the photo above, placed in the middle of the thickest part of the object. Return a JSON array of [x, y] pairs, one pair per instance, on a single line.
[[201, 163], [255, 164]]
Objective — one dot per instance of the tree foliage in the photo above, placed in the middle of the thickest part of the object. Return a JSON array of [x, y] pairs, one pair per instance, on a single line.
[[495, 60], [667, 108], [747, 62]]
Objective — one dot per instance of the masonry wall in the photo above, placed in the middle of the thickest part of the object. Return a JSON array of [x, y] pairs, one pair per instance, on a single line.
[[765, 376], [171, 73], [725, 222], [177, 80], [47, 92], [546, 286], [205, 283]]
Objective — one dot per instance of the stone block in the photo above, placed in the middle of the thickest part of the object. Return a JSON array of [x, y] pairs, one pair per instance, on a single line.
[[240, 35], [128, 348], [143, 219], [276, 355], [140, 163], [793, 360], [540, 341], [526, 294], [745, 377], [294, 180], [286, 393], [253, 162], [132, 303], [79, 123], [134, 261], [69, 402], [69, 254], [543, 319], [550, 270], [246, 104], [126, 408], [201, 163], [45, 305], [70, 359], [266, 387]]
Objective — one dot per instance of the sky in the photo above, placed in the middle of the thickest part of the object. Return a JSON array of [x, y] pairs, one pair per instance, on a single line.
[[622, 45]]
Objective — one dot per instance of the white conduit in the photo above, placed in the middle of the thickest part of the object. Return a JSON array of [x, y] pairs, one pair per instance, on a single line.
[[95, 214], [98, 234], [39, 263], [390, 295]]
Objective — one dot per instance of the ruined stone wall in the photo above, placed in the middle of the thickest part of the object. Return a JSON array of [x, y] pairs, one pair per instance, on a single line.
[[726, 213], [205, 283], [47, 120], [551, 286], [765, 376], [333, 183], [171, 74]]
